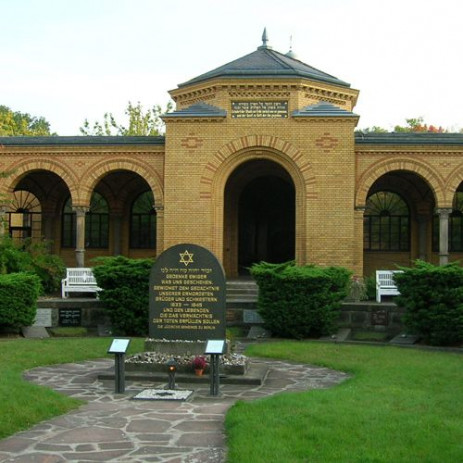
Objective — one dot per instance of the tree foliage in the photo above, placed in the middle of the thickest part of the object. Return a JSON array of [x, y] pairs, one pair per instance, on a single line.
[[13, 124], [417, 124], [34, 258], [413, 125], [140, 122]]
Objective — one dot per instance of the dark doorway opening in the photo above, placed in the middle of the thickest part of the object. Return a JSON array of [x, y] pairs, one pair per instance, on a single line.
[[266, 222]]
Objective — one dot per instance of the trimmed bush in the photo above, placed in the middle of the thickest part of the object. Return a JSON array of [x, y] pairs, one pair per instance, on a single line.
[[433, 301], [125, 292], [300, 301], [18, 293]]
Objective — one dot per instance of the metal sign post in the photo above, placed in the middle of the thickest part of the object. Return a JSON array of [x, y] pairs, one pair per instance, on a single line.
[[215, 348], [119, 348]]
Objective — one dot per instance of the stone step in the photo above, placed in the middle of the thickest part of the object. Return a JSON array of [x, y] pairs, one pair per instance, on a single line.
[[245, 291]]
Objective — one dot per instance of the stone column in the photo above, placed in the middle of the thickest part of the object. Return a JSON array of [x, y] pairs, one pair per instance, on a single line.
[[357, 258], [80, 234], [443, 235], [117, 233], [422, 223], [48, 220]]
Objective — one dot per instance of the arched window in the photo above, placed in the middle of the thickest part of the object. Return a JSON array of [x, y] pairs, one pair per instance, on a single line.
[[386, 223], [143, 222], [96, 224], [25, 216], [455, 226]]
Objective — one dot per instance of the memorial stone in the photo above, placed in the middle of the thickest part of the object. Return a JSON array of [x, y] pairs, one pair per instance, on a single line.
[[187, 295]]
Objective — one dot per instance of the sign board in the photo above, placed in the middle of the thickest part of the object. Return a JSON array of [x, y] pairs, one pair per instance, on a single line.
[[215, 347], [187, 295], [380, 318], [70, 317], [43, 318], [259, 109], [119, 346]]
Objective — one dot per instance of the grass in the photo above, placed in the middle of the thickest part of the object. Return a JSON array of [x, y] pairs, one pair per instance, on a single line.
[[68, 332], [17, 410], [400, 405]]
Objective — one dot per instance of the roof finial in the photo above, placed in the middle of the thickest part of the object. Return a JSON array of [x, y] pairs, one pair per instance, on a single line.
[[264, 41], [291, 53], [264, 38]]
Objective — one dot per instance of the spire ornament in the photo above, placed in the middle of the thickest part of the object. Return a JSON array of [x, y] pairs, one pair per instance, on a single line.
[[265, 45]]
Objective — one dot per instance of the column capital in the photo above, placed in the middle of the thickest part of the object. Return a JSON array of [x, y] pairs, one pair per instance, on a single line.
[[444, 211], [80, 209]]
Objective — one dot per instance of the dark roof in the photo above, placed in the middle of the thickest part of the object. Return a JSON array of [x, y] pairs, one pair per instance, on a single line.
[[323, 109], [198, 110], [268, 63], [82, 140], [408, 138]]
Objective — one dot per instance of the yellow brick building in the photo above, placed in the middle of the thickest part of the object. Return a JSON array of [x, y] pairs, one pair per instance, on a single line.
[[260, 161]]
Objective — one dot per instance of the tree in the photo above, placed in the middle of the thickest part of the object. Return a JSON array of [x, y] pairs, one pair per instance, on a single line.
[[414, 124], [417, 124], [140, 122], [22, 124]]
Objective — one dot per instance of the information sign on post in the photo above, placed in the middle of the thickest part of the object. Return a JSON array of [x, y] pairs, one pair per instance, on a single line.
[[215, 348], [119, 347], [187, 295]]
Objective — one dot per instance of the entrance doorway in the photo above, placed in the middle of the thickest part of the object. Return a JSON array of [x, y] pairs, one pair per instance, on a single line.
[[260, 215]]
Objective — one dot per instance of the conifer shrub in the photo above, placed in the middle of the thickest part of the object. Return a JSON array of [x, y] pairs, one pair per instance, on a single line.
[[300, 301], [432, 297], [125, 292], [19, 293]]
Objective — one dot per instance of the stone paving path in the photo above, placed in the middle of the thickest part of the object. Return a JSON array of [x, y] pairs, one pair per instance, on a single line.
[[112, 427]]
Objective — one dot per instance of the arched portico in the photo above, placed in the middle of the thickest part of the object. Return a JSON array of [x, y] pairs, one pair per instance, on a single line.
[[259, 216], [398, 221]]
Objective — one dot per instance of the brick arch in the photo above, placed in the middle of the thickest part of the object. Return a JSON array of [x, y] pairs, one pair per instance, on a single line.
[[250, 147], [23, 168], [434, 180], [454, 180], [217, 172], [94, 174]]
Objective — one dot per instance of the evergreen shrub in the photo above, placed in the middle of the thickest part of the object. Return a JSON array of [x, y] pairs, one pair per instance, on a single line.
[[125, 292], [300, 301], [432, 297], [19, 293]]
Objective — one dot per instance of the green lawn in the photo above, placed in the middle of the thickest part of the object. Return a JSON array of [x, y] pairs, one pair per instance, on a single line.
[[401, 406], [24, 404]]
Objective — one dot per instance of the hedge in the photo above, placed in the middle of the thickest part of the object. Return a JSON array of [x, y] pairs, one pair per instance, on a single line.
[[300, 301], [19, 293], [125, 292], [432, 297]]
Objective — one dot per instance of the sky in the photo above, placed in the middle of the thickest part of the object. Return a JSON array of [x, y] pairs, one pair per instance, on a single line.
[[71, 60]]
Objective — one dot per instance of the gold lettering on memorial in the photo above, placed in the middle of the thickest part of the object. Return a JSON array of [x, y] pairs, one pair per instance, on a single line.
[[185, 295]]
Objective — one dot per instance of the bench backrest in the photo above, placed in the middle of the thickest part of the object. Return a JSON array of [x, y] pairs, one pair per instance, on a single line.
[[385, 278], [80, 276]]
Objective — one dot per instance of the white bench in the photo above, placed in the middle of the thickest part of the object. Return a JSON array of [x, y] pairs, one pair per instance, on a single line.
[[79, 280], [385, 284]]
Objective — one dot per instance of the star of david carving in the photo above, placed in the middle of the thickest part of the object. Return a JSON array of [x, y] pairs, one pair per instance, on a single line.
[[186, 258]]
